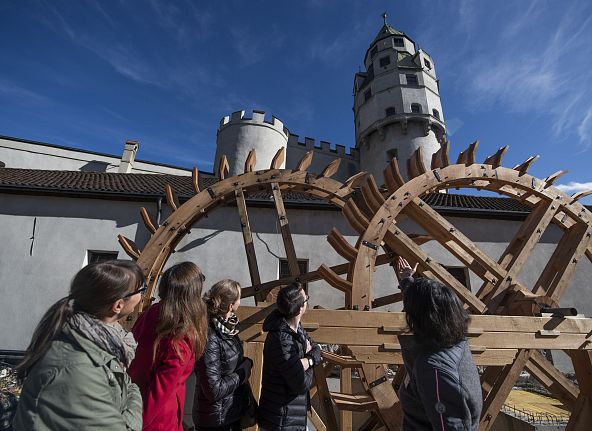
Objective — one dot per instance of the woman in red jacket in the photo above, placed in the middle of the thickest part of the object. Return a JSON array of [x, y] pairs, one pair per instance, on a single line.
[[169, 334]]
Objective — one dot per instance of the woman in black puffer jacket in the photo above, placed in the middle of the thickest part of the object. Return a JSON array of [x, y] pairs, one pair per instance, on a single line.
[[289, 356], [221, 394]]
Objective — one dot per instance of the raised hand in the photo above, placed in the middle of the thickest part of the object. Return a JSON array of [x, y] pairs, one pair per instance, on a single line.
[[404, 269]]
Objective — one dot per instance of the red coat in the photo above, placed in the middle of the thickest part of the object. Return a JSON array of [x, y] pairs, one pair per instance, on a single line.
[[162, 384]]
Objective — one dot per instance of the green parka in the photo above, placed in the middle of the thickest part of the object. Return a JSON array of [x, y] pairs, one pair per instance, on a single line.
[[78, 386]]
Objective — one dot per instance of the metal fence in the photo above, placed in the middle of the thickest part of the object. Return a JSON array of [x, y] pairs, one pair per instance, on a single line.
[[535, 418]]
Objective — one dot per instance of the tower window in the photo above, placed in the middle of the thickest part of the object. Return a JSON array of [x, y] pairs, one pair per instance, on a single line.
[[399, 41], [390, 111], [435, 113], [427, 63], [411, 79], [373, 52], [385, 61], [367, 94], [94, 256], [416, 108]]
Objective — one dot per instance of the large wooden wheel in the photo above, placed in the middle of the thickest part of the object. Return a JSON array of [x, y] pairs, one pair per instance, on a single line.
[[376, 216], [164, 238]]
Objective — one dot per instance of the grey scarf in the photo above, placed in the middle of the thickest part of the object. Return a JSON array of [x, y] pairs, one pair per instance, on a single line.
[[227, 326], [112, 338]]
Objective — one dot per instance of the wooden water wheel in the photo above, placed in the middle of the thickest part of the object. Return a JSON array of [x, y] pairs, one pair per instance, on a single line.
[[505, 345]]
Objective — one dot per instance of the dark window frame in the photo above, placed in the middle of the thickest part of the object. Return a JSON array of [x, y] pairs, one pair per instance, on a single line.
[[398, 41], [390, 111], [436, 113], [284, 269], [461, 273], [427, 63], [384, 61], [96, 256], [413, 78], [416, 108]]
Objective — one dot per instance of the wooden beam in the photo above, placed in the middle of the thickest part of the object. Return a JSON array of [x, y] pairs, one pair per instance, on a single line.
[[130, 247], [325, 400], [552, 379], [251, 161], [581, 416], [195, 180], [550, 180], [392, 176], [467, 157], [171, 197], [278, 159], [223, 168], [345, 382], [440, 158], [501, 389], [415, 166], [341, 245], [305, 162], [248, 242], [496, 160], [255, 352], [150, 225], [330, 169], [525, 166], [285, 229]]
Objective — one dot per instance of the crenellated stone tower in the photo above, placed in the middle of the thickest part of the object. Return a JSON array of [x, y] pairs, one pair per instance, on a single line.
[[238, 134], [397, 105]]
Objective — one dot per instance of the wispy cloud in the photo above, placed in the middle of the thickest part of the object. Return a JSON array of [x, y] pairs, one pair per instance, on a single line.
[[575, 187], [18, 93]]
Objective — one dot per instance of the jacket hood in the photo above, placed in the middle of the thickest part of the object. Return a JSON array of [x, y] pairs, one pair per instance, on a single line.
[[275, 322]]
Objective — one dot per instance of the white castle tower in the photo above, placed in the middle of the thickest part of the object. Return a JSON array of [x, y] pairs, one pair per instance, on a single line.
[[239, 134], [396, 103]]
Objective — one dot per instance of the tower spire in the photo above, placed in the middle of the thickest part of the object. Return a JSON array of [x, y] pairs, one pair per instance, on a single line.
[[384, 18]]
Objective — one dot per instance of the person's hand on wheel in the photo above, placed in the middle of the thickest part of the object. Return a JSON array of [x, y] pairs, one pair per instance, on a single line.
[[404, 269]]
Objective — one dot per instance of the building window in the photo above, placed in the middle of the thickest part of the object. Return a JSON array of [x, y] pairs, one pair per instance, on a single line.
[[427, 63], [435, 113], [399, 41], [385, 61], [285, 269], [411, 79], [94, 256], [390, 111], [373, 52], [416, 108], [367, 94], [461, 274]]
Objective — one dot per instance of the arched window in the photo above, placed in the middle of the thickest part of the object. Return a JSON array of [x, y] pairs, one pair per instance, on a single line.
[[416, 108], [390, 111], [435, 113]]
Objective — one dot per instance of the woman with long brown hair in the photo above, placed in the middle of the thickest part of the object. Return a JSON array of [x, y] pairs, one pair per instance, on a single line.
[[73, 371], [221, 394], [170, 334]]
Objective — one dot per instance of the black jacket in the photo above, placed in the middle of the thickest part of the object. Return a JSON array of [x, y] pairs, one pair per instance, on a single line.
[[284, 399], [219, 393]]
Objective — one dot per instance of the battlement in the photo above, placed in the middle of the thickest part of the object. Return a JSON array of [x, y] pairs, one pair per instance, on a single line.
[[256, 118], [324, 147]]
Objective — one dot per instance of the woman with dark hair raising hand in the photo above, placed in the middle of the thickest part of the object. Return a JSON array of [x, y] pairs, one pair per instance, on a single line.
[[441, 390]]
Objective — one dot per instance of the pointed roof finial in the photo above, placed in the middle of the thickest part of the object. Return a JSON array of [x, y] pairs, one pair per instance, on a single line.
[[384, 17]]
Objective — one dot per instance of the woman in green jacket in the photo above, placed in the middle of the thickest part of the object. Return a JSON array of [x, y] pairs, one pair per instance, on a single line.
[[74, 370]]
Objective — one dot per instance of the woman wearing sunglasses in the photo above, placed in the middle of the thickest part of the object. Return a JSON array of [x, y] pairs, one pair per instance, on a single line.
[[170, 334], [74, 369]]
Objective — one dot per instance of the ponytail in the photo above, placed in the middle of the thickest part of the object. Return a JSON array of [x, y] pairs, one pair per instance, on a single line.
[[221, 296], [49, 327]]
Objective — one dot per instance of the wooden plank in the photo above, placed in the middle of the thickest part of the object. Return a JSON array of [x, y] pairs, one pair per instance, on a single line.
[[341, 245], [171, 197], [330, 169], [518, 250], [285, 230], [223, 167], [381, 319], [467, 157], [148, 222], [375, 337], [496, 160], [345, 382], [376, 384], [392, 176], [255, 352], [552, 379], [401, 240], [195, 180], [251, 161], [316, 420], [248, 242], [561, 266], [348, 403], [581, 416], [325, 402], [278, 159], [305, 162], [501, 389], [525, 166]]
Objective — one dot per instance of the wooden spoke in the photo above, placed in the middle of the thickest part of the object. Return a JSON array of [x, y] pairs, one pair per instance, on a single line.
[[355, 217], [496, 160], [392, 176], [171, 197], [371, 194], [351, 181], [150, 225], [251, 161], [525, 166], [285, 230], [579, 195], [467, 157], [331, 168], [223, 167], [341, 246], [195, 180], [248, 241], [305, 162], [334, 280], [129, 247], [550, 180], [278, 159], [440, 158], [415, 166]]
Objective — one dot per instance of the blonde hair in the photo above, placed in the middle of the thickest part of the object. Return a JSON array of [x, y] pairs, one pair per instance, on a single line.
[[221, 296]]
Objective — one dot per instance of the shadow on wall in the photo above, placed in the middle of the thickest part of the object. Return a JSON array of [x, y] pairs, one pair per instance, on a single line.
[[199, 241], [95, 166]]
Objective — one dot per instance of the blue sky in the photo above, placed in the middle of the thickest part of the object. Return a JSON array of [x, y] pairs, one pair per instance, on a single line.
[[91, 74]]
